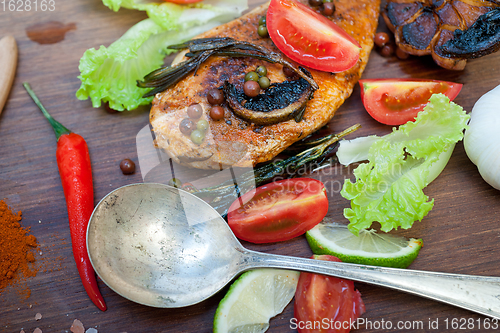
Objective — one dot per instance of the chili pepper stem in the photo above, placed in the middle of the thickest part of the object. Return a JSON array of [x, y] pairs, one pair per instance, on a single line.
[[58, 128]]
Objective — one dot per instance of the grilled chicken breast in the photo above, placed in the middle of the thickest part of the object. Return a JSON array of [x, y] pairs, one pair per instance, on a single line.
[[233, 141]]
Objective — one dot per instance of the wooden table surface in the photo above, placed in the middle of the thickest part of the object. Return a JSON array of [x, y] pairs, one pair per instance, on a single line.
[[461, 234]]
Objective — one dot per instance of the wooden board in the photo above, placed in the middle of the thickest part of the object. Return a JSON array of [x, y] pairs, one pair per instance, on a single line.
[[460, 234]]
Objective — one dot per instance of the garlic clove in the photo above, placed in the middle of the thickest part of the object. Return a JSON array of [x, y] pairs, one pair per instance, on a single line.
[[482, 138]]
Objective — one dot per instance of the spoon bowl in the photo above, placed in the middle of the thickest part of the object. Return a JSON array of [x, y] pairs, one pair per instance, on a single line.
[[163, 247]]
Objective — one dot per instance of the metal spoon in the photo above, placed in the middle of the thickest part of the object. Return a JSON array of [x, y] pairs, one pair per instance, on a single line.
[[163, 247]]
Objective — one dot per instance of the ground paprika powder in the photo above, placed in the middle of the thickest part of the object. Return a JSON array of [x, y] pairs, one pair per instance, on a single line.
[[16, 245]]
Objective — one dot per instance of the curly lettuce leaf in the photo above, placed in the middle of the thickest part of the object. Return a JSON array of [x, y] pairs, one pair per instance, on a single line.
[[171, 16], [389, 188], [110, 74]]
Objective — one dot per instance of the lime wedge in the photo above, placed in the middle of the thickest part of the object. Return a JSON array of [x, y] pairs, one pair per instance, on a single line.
[[254, 298], [369, 248]]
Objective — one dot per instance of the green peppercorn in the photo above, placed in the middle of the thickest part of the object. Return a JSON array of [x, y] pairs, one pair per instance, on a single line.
[[264, 82], [202, 125], [325, 1], [261, 71], [262, 31], [175, 182], [197, 137], [251, 76], [262, 20]]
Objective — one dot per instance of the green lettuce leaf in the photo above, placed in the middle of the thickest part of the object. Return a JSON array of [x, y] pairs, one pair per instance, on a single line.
[[388, 189], [110, 74], [171, 16]]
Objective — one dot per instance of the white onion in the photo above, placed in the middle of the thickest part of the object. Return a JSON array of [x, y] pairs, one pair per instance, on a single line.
[[482, 139]]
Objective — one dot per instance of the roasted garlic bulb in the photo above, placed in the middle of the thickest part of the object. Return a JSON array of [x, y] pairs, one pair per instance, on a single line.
[[452, 31]]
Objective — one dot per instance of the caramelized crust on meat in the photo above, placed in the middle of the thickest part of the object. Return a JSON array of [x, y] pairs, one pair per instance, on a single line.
[[234, 141]]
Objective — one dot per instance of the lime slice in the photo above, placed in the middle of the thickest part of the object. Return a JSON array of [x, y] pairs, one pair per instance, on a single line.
[[253, 299], [369, 248]]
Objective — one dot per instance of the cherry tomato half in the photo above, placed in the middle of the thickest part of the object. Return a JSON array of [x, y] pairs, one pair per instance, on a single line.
[[309, 38], [327, 300], [183, 1], [278, 211], [397, 101]]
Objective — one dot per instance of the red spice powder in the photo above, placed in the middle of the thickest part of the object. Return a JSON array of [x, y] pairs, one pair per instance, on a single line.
[[16, 258]]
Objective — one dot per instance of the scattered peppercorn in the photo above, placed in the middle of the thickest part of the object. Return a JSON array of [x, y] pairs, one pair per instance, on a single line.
[[262, 31], [202, 125], [261, 71], [175, 182], [387, 50], [127, 166], [217, 112], [251, 76], [264, 82], [215, 96], [328, 9], [401, 54], [251, 88], [381, 39], [197, 137], [186, 126], [194, 111], [315, 3], [289, 73]]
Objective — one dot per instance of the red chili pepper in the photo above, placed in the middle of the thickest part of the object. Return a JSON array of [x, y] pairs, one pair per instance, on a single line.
[[73, 161]]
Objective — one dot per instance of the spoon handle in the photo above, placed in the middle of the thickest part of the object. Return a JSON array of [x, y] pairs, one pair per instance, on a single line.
[[480, 294]]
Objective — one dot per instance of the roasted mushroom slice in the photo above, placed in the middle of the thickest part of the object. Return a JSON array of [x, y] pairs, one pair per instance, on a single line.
[[280, 102], [452, 31]]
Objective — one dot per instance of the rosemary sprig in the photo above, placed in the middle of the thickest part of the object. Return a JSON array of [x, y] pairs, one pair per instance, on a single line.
[[223, 195], [201, 49]]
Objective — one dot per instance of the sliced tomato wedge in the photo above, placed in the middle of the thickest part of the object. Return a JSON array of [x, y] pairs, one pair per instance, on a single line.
[[278, 211], [329, 301], [397, 101], [183, 1], [309, 38]]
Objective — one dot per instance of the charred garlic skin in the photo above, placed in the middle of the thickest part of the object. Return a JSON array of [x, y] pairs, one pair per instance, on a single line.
[[480, 39], [451, 31]]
